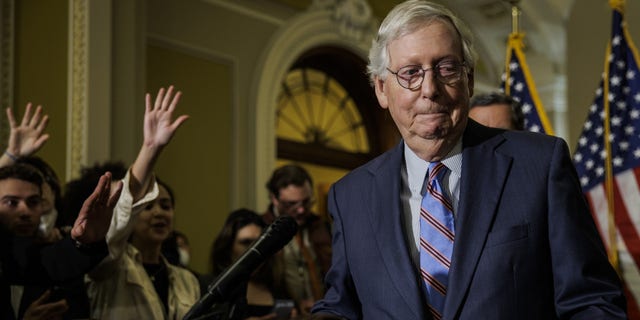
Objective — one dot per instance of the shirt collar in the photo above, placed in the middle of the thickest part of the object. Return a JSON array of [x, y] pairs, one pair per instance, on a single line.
[[417, 167]]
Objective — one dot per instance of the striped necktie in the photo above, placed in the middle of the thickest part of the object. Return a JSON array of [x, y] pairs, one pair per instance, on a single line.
[[436, 239]]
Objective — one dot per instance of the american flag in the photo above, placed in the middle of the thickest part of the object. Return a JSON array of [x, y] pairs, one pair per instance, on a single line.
[[613, 124], [522, 88]]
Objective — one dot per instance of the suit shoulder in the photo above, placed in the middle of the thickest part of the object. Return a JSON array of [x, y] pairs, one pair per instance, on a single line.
[[392, 157], [479, 135], [532, 140]]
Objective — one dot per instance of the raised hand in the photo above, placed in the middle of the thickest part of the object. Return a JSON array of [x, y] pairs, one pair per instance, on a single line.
[[94, 218], [28, 137], [159, 126]]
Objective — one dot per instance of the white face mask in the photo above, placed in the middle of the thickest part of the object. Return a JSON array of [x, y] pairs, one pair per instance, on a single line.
[[184, 257], [48, 222]]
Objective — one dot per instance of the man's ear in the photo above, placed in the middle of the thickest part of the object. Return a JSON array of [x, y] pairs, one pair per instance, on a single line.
[[470, 82], [272, 198], [380, 87]]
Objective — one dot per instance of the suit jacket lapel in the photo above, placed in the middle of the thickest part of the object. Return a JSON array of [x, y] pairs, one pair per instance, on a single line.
[[388, 228], [484, 172]]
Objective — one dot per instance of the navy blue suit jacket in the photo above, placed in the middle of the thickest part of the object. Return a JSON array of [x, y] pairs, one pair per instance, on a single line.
[[526, 246]]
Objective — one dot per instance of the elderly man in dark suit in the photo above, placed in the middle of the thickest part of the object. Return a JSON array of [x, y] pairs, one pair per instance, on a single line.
[[459, 221]]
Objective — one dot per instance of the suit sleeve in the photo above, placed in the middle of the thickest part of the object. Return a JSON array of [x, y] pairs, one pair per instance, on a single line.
[[64, 261], [341, 299], [585, 284], [24, 261]]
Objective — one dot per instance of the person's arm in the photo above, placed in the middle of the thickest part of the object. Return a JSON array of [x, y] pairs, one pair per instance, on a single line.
[[159, 128], [139, 185], [76, 255], [27, 138], [26, 260], [95, 215], [340, 299], [585, 284]]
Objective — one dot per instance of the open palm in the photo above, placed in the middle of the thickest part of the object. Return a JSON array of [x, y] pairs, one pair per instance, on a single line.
[[28, 137], [159, 125]]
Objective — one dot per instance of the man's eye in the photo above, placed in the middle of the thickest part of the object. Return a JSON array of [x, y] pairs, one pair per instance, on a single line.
[[32, 203], [10, 202], [409, 72], [447, 69]]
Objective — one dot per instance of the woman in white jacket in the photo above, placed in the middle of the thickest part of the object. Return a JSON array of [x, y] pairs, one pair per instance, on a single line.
[[135, 281]]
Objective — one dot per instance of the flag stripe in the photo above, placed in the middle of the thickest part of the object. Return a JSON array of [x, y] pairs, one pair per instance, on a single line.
[[625, 226], [598, 203], [609, 146], [628, 265], [631, 281]]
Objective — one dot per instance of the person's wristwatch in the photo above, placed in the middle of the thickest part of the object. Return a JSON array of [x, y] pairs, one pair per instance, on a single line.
[[87, 247]]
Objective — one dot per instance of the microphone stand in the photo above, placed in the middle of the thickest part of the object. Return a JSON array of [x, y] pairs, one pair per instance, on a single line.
[[232, 308], [224, 289]]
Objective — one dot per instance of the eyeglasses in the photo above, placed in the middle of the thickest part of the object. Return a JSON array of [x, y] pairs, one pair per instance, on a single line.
[[305, 203], [446, 72]]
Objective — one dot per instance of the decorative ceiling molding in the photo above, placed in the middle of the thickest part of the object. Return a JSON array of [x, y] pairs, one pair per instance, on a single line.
[[354, 17]]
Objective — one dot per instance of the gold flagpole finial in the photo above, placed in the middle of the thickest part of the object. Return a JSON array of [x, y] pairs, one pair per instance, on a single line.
[[618, 5], [515, 16]]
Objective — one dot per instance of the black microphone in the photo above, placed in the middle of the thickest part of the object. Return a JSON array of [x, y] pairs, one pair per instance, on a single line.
[[277, 235]]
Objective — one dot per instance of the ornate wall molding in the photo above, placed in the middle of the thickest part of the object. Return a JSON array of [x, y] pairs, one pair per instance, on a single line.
[[354, 18], [78, 87], [313, 28], [7, 49]]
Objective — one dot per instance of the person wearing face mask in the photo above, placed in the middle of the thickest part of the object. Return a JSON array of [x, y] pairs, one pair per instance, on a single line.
[[25, 139], [177, 251], [43, 280], [184, 250], [54, 223]]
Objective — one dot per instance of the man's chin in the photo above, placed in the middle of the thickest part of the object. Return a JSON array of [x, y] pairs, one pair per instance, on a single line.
[[25, 231], [432, 132], [300, 220]]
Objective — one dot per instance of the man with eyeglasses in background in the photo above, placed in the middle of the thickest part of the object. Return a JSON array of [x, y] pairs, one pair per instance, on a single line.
[[305, 260], [459, 221]]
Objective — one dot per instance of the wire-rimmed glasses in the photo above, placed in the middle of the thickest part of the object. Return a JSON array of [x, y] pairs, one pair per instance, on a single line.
[[446, 72]]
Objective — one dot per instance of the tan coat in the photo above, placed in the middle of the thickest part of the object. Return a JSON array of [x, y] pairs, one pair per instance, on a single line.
[[119, 287], [126, 292]]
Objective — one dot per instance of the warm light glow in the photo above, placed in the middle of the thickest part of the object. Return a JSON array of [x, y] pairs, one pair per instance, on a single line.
[[314, 108]]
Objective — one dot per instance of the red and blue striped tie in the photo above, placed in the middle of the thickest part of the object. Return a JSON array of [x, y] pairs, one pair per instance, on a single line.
[[436, 239]]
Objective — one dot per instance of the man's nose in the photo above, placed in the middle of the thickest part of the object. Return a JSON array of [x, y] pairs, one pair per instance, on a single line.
[[430, 85], [24, 211], [300, 209]]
